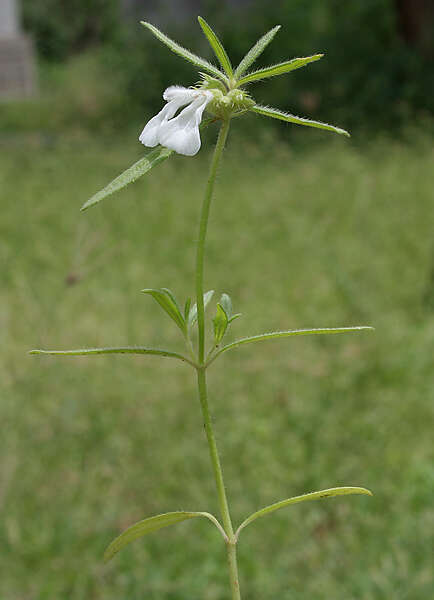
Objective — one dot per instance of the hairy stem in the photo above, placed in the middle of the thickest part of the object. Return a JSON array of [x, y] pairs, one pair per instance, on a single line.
[[202, 235], [201, 369]]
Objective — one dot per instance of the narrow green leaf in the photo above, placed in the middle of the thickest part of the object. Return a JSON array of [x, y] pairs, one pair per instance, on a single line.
[[167, 301], [114, 350], [184, 53], [173, 299], [193, 310], [289, 333], [226, 303], [275, 113], [217, 47], [220, 323], [137, 170], [279, 69], [339, 491], [255, 51], [152, 524], [187, 309]]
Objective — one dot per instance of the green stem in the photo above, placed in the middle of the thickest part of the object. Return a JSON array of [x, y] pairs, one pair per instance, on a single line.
[[202, 235], [201, 369], [215, 460], [221, 492], [233, 570]]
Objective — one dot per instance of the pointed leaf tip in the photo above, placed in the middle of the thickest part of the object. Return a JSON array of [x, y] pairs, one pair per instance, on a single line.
[[111, 350], [255, 51], [137, 170], [184, 53], [329, 493], [275, 113], [220, 322], [168, 303], [289, 333], [226, 303], [279, 69], [152, 524], [216, 46]]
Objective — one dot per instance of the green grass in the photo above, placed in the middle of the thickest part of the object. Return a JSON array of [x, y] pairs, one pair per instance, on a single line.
[[333, 236]]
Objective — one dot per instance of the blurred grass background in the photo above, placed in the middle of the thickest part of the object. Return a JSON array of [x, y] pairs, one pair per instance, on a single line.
[[305, 232]]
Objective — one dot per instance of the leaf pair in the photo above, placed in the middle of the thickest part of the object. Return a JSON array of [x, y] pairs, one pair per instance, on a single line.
[[184, 53], [164, 520], [203, 64], [184, 320], [166, 300]]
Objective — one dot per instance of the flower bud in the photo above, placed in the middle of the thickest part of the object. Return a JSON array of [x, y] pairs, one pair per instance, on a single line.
[[227, 104]]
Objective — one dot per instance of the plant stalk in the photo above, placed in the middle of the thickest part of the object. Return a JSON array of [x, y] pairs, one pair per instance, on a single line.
[[233, 570], [202, 235], [221, 492], [201, 369], [215, 460]]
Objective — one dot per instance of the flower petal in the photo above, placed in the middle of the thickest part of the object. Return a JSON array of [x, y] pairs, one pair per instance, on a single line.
[[181, 134], [149, 136], [178, 91], [177, 98]]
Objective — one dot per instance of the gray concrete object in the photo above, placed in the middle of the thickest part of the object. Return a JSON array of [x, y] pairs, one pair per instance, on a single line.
[[17, 63]]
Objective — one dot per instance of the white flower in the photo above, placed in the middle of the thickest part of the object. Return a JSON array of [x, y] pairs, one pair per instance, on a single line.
[[180, 133]]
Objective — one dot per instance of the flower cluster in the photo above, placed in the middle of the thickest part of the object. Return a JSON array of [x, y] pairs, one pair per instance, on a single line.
[[221, 92]]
